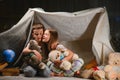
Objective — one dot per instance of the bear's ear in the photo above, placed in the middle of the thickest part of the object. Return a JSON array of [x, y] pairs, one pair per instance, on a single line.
[[111, 55], [114, 58], [31, 44]]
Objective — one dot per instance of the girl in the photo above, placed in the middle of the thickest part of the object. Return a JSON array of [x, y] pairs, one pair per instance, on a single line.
[[50, 37]]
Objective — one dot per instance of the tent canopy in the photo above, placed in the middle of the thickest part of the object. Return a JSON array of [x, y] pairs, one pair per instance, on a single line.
[[85, 32]]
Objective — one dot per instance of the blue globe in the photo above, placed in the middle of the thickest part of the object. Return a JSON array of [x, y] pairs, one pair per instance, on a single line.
[[9, 55]]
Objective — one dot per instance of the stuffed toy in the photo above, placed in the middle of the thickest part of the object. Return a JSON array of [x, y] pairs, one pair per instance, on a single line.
[[75, 64], [114, 59], [65, 65], [112, 72], [58, 55], [61, 48], [69, 68], [54, 69], [92, 63], [97, 73], [35, 57], [34, 45], [75, 68]]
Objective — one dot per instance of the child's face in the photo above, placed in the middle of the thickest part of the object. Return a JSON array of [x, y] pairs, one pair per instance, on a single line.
[[37, 34], [46, 36]]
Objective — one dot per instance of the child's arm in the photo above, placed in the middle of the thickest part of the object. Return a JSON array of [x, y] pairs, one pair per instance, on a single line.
[[39, 56], [33, 53], [69, 57], [26, 50]]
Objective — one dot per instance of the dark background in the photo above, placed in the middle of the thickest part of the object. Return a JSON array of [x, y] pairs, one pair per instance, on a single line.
[[11, 11]]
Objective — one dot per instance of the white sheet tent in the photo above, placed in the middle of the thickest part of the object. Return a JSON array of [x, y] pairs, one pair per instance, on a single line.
[[85, 32]]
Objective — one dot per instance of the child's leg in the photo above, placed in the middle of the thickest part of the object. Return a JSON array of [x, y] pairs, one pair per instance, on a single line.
[[29, 71], [44, 71], [77, 64]]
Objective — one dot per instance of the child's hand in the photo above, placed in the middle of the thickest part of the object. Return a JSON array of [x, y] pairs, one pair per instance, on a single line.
[[37, 54], [26, 50]]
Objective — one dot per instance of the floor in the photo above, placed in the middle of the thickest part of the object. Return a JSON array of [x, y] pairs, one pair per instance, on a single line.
[[21, 77]]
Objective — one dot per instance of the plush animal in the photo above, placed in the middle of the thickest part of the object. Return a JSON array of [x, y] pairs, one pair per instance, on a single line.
[[61, 48], [34, 45], [69, 68], [114, 59], [92, 63], [53, 68], [75, 68], [58, 55], [77, 62], [65, 65], [112, 70], [97, 73]]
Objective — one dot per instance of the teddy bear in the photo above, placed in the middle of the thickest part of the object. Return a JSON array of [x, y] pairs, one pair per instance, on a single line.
[[68, 67], [99, 75], [96, 73], [58, 55], [34, 57], [114, 59], [112, 70], [34, 45]]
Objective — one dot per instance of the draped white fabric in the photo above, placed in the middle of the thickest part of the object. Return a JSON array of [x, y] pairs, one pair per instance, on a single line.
[[86, 32]]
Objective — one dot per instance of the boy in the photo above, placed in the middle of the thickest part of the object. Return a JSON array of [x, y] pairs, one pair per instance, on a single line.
[[33, 57]]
